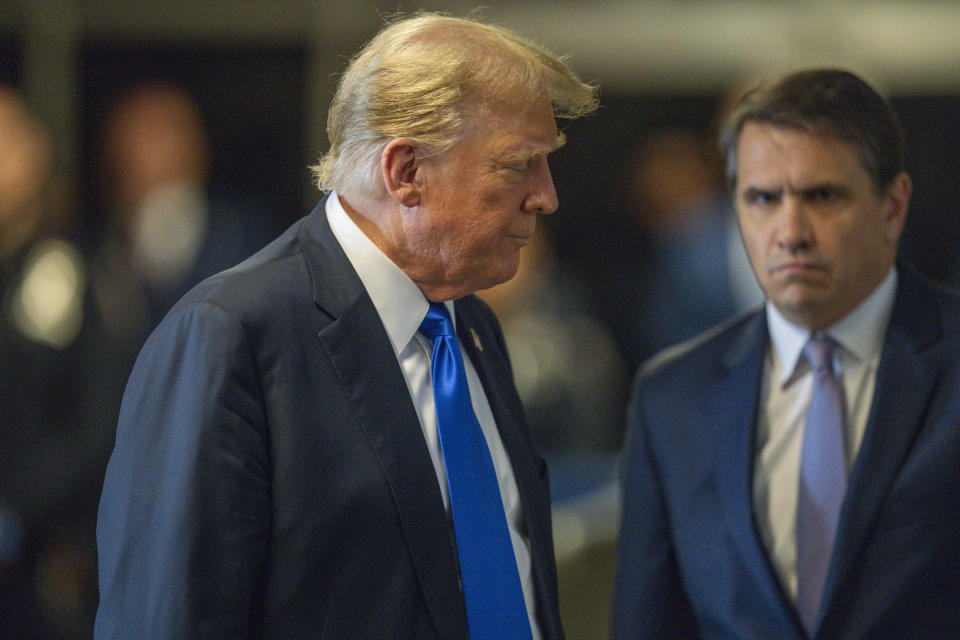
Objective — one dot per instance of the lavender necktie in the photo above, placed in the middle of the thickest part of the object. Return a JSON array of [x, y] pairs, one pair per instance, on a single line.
[[823, 480]]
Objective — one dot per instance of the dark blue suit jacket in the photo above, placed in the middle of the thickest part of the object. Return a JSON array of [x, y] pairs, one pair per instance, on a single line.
[[692, 564], [270, 477]]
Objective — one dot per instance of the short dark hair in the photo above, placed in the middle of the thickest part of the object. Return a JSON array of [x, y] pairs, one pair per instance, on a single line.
[[824, 102]]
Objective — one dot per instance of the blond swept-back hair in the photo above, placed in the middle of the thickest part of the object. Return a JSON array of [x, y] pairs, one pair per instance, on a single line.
[[425, 78]]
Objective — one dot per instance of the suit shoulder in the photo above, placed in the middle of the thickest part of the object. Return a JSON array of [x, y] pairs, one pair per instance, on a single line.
[[265, 280], [949, 298], [926, 308], [705, 347], [948, 304]]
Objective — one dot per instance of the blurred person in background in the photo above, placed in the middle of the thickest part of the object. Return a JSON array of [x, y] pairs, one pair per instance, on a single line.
[[168, 227], [278, 469], [574, 404], [572, 382], [793, 473], [691, 271], [54, 433]]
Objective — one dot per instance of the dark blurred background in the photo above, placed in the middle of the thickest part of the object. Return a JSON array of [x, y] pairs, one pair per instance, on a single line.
[[147, 144]]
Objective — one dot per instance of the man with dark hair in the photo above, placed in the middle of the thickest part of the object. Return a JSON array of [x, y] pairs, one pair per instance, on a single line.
[[325, 441], [792, 474]]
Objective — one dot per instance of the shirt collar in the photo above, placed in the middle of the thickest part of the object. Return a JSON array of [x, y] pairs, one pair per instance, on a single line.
[[398, 301], [860, 332]]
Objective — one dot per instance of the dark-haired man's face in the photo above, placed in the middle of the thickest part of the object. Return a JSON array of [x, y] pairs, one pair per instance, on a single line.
[[819, 236]]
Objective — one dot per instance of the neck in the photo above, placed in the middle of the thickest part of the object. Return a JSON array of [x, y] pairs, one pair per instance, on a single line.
[[371, 217], [378, 221]]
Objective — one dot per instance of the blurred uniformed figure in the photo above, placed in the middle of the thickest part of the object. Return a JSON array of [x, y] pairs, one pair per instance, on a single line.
[[54, 434]]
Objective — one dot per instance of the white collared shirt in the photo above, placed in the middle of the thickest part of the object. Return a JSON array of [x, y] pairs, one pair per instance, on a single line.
[[402, 307], [785, 395]]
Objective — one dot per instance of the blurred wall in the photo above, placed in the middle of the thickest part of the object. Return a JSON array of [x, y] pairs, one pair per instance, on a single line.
[[267, 70]]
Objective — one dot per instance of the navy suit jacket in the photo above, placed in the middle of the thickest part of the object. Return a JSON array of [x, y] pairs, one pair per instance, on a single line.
[[692, 564], [270, 478]]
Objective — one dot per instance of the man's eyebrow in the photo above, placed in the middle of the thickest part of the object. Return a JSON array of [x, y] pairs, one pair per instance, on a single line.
[[559, 142], [839, 187], [523, 156], [530, 153]]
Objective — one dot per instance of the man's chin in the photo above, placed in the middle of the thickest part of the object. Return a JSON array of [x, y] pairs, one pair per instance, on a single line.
[[509, 273], [492, 280], [805, 310]]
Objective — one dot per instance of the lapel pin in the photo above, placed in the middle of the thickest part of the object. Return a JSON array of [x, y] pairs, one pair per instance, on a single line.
[[476, 340]]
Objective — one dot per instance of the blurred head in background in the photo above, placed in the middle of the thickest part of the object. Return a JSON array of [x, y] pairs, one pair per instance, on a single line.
[[26, 163], [155, 162], [153, 136]]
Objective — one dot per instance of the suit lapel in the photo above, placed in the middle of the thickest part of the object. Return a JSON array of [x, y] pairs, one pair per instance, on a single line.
[[735, 404], [360, 352], [485, 350], [906, 380]]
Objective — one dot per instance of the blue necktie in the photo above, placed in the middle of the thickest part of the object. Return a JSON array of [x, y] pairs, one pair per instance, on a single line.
[[823, 480], [488, 568]]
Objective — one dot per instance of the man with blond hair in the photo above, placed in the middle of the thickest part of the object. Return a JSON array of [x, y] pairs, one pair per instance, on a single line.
[[306, 449]]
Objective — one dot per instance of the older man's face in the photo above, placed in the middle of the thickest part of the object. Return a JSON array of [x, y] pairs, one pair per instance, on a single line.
[[819, 236], [480, 201]]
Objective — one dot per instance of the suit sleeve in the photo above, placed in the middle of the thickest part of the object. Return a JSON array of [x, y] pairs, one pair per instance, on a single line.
[[649, 599], [184, 516]]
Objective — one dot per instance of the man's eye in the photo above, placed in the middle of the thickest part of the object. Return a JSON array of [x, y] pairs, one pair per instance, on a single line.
[[760, 198], [824, 194], [519, 165]]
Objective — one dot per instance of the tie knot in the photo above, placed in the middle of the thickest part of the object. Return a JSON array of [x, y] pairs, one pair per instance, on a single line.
[[819, 352], [437, 323]]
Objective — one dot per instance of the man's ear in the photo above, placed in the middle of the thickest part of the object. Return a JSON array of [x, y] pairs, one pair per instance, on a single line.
[[400, 166]]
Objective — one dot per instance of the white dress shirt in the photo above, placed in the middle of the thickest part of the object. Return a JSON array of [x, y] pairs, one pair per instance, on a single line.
[[785, 395], [402, 307]]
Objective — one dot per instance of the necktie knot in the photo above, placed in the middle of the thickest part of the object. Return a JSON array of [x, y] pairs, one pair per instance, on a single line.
[[819, 353], [437, 323]]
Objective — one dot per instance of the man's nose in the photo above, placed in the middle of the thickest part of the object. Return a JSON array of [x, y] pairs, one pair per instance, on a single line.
[[542, 197], [794, 232]]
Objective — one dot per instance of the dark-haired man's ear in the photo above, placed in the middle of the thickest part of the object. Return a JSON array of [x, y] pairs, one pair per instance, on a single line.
[[400, 166]]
